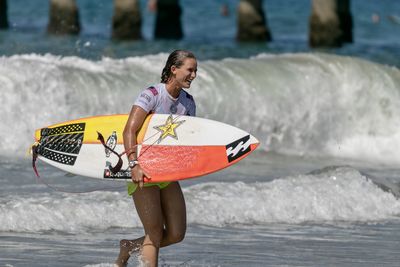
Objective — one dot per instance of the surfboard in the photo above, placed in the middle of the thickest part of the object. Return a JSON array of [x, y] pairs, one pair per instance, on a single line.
[[170, 147]]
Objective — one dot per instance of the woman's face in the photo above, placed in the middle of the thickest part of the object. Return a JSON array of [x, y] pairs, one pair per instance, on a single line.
[[185, 74]]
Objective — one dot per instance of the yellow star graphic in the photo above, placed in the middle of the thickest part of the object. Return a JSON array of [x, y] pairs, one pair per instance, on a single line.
[[168, 129]]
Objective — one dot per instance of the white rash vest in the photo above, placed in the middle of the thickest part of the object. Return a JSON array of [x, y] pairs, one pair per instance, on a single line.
[[156, 99]]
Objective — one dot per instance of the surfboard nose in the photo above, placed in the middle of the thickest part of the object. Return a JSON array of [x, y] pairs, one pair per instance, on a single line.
[[254, 143], [254, 140]]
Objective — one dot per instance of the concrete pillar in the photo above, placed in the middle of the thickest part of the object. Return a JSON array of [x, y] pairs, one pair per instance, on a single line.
[[3, 15], [127, 20], [346, 20], [63, 17], [330, 23], [251, 22], [168, 20]]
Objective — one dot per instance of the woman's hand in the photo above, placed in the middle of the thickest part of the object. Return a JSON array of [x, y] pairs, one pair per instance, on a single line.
[[138, 174], [135, 121]]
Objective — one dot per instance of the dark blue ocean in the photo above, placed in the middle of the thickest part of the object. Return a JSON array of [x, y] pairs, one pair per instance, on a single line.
[[322, 189], [207, 33]]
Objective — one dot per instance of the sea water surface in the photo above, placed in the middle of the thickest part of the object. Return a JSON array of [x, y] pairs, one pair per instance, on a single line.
[[322, 189]]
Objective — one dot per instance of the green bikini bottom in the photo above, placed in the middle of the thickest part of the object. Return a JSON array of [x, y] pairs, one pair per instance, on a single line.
[[132, 186]]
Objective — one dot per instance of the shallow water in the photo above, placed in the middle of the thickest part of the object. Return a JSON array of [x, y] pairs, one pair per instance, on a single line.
[[273, 245], [293, 217]]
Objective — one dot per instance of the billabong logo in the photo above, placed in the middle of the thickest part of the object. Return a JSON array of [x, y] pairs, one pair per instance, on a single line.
[[238, 148]]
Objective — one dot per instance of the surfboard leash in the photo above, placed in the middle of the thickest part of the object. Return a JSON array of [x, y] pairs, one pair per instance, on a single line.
[[119, 164], [35, 153], [34, 149], [40, 180]]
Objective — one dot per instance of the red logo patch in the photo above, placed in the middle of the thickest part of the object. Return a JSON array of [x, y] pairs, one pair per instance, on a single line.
[[153, 90]]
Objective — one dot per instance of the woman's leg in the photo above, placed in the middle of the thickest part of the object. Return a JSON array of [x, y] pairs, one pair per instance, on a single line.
[[174, 215], [174, 212], [148, 206]]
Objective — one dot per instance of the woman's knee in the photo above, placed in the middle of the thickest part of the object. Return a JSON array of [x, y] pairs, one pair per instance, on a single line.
[[176, 236]]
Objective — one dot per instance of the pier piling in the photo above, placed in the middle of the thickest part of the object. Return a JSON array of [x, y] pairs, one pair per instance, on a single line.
[[330, 23], [251, 22], [127, 20], [63, 17], [168, 20], [3, 15]]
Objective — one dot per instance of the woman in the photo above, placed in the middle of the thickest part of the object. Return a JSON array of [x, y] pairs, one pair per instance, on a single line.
[[160, 206]]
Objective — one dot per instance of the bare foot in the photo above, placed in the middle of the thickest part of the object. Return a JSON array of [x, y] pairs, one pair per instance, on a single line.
[[126, 248]]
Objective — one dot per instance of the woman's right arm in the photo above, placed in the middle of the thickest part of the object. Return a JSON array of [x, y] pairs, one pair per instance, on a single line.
[[135, 121]]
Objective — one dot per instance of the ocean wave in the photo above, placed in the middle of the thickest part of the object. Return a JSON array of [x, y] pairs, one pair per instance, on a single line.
[[337, 195], [297, 104], [330, 196]]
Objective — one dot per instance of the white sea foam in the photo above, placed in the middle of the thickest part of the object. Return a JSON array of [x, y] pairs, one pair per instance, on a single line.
[[299, 104], [67, 212], [340, 194]]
